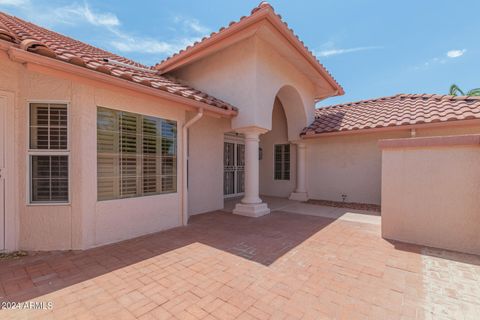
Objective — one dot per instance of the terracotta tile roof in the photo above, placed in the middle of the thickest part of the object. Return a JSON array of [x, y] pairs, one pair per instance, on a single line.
[[398, 110], [32, 38], [264, 6]]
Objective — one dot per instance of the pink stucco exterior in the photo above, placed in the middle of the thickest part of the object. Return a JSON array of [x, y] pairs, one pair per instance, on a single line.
[[268, 84], [83, 222], [430, 191]]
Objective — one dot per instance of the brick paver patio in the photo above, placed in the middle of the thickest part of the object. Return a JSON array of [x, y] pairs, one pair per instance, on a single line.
[[281, 266]]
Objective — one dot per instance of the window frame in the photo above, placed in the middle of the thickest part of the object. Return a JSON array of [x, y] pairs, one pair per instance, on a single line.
[[289, 162], [46, 152], [177, 153]]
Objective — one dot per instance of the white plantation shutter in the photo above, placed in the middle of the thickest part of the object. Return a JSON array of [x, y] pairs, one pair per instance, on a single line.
[[108, 158], [130, 152], [48, 153], [169, 155], [151, 144], [136, 155]]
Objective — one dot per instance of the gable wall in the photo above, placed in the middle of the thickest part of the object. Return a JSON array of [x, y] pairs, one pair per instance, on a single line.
[[228, 75], [249, 74]]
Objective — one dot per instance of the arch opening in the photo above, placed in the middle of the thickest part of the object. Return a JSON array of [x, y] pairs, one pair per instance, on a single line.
[[278, 154], [294, 109]]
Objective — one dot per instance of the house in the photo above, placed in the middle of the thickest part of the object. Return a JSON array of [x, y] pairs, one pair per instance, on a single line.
[[96, 148]]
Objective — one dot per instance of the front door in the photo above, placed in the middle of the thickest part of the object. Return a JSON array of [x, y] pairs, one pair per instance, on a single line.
[[234, 168]]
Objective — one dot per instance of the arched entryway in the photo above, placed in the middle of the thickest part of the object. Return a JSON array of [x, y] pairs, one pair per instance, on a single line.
[[271, 154], [278, 163], [278, 157]]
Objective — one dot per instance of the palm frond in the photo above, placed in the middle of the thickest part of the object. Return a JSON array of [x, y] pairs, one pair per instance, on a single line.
[[455, 90], [474, 92]]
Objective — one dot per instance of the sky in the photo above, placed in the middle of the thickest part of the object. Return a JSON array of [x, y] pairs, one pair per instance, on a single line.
[[373, 48]]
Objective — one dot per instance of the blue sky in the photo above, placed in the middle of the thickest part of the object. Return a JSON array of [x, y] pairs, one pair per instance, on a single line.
[[373, 48]]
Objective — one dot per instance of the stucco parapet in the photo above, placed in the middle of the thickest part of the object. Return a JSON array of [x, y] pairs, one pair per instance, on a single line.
[[441, 141]]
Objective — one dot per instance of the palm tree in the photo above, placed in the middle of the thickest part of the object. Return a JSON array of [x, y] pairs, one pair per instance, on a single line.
[[455, 91]]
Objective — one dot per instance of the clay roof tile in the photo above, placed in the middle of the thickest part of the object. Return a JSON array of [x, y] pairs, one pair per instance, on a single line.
[[38, 40], [398, 110]]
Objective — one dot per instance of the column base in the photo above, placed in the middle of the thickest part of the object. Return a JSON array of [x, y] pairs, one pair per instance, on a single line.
[[251, 210], [299, 196]]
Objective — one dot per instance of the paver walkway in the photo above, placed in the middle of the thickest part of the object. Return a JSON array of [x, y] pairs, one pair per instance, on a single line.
[[280, 266]]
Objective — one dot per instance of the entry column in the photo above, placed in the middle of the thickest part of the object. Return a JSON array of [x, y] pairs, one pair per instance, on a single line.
[[300, 193], [251, 205]]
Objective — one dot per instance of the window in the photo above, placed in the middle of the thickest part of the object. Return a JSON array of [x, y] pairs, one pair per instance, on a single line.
[[48, 153], [136, 155], [282, 162]]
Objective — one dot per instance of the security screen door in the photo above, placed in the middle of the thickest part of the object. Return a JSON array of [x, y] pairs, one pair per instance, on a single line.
[[234, 169]]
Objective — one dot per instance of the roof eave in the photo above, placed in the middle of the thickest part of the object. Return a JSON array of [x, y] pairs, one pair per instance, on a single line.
[[450, 123], [21, 56]]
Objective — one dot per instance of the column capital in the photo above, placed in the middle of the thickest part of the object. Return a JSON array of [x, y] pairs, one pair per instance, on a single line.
[[252, 131], [299, 143]]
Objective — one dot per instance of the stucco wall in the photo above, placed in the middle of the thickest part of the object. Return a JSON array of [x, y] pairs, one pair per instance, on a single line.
[[431, 196], [351, 164], [205, 165], [41, 227], [83, 222], [229, 74], [278, 135]]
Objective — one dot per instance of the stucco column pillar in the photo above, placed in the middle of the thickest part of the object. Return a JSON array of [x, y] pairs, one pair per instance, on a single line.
[[251, 205], [300, 193]]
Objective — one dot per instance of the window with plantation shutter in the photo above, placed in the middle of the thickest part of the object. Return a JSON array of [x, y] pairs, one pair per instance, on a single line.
[[282, 162], [136, 155], [48, 153]]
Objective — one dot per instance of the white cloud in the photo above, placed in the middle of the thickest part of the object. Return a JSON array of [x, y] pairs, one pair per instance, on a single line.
[[129, 43], [73, 13], [456, 53], [334, 52], [126, 42], [191, 25], [441, 60], [15, 3], [184, 31]]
